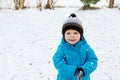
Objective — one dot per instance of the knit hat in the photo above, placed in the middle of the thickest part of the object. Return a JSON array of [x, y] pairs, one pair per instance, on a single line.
[[72, 23]]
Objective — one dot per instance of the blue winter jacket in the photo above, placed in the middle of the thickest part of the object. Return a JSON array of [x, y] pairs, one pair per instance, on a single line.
[[69, 57]]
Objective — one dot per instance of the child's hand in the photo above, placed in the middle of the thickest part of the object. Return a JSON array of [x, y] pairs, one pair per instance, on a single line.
[[79, 73]]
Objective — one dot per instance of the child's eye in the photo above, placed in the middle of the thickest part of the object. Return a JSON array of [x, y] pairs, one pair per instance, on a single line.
[[68, 33], [75, 32]]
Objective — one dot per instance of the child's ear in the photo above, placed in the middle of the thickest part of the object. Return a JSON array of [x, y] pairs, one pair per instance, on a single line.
[[81, 38]]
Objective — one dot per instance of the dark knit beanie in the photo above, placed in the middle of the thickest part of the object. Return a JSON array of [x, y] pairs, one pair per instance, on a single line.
[[72, 23]]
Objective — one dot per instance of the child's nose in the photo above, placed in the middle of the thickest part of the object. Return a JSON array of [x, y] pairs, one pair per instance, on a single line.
[[72, 35]]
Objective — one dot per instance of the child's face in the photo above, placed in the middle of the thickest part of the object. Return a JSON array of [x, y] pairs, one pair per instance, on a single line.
[[72, 36]]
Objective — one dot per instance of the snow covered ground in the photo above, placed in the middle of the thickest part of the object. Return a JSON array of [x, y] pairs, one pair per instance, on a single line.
[[32, 3], [29, 39]]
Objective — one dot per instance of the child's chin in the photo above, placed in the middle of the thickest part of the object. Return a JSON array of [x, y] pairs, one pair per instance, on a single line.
[[72, 43]]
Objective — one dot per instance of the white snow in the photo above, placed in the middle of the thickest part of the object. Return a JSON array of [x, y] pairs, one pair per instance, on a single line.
[[29, 39]]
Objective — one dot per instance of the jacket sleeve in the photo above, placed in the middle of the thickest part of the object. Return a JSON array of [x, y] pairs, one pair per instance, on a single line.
[[60, 63], [91, 62]]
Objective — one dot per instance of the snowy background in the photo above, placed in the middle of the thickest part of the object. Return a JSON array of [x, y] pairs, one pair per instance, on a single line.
[[29, 39]]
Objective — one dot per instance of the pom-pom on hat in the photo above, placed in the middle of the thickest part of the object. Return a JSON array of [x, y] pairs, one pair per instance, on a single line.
[[73, 22]]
